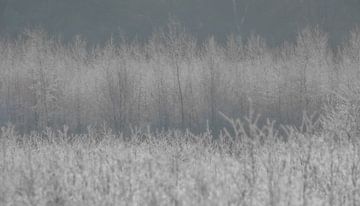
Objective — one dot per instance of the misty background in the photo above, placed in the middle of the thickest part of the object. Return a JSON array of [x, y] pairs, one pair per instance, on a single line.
[[97, 20]]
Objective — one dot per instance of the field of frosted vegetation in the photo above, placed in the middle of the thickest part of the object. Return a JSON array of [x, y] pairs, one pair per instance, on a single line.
[[177, 122]]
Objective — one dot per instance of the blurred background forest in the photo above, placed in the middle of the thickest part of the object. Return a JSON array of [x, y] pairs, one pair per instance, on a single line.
[[186, 65], [97, 20]]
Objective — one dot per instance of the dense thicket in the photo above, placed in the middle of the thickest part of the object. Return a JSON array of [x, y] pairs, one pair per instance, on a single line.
[[169, 82], [245, 165]]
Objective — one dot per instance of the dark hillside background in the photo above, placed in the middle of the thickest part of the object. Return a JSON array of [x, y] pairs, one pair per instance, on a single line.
[[96, 20]]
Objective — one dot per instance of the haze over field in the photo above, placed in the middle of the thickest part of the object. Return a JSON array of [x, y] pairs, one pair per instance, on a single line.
[[274, 20]]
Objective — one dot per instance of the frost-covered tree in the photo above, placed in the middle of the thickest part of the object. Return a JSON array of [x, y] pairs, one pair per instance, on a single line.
[[171, 81]]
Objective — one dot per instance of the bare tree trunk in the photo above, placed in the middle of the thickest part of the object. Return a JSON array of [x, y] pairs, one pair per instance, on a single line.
[[78, 104], [180, 95], [122, 86], [304, 87], [112, 100], [212, 97], [43, 110]]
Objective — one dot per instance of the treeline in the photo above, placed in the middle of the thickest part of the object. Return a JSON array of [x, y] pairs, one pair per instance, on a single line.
[[171, 81]]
